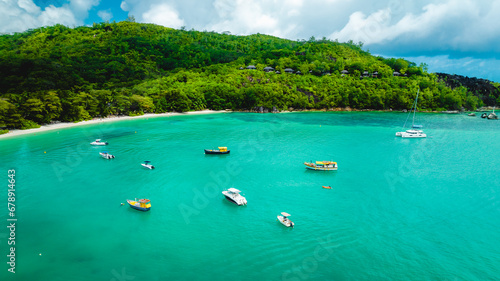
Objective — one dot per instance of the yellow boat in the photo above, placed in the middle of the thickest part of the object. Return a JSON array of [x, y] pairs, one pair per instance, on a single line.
[[140, 204], [221, 150], [322, 165]]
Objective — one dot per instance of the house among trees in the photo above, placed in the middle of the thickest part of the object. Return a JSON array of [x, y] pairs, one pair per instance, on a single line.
[[375, 74], [366, 74], [268, 69], [288, 70], [251, 67], [344, 72], [395, 73]]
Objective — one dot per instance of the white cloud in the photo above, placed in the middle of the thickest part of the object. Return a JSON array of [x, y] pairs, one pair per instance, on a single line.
[[162, 14], [17, 16], [124, 6], [28, 6], [105, 15], [53, 15], [452, 25]]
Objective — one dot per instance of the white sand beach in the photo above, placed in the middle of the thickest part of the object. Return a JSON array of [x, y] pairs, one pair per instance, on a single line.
[[63, 125]]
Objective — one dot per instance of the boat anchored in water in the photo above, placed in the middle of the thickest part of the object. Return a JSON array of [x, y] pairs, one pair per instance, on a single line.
[[140, 204], [285, 220], [99, 142], [322, 165], [233, 195], [147, 165], [412, 133], [106, 155], [220, 150]]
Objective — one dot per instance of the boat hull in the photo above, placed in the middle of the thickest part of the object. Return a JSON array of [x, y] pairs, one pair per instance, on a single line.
[[413, 136], [233, 201], [240, 202], [107, 156], [287, 223], [151, 167], [138, 207], [99, 143], [311, 166], [208, 151]]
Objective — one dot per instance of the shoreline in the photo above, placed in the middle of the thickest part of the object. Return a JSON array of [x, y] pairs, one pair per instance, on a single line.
[[65, 125]]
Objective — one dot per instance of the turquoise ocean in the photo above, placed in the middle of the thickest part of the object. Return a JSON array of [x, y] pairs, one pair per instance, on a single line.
[[399, 209]]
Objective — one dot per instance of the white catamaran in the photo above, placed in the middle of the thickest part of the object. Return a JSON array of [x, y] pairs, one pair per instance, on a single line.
[[413, 132]]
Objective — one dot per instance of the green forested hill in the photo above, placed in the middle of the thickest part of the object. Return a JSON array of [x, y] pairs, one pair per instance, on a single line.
[[71, 74]]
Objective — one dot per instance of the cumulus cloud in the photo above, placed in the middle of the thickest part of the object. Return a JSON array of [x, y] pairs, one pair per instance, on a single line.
[[452, 25], [17, 16], [105, 15], [257, 16], [163, 14], [124, 6]]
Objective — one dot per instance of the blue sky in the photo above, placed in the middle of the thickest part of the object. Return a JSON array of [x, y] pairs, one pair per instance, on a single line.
[[453, 36]]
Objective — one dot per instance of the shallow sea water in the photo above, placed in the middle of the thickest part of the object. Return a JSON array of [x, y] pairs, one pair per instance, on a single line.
[[399, 209]]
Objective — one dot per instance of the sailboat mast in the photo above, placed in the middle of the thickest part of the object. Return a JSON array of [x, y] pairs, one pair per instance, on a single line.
[[415, 109]]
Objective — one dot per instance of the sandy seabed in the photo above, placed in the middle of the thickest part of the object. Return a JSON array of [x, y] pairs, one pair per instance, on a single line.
[[63, 125]]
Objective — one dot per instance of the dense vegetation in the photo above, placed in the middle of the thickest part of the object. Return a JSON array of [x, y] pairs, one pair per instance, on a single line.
[[71, 74]]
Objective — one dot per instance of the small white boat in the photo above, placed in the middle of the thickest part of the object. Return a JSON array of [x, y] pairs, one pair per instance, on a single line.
[[99, 142], [413, 134], [233, 195], [106, 155], [285, 220], [147, 165]]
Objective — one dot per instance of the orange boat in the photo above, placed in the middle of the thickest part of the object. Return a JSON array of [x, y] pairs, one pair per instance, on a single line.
[[327, 187]]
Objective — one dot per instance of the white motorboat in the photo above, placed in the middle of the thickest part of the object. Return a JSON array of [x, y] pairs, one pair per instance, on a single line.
[[492, 115], [147, 165], [233, 195], [413, 134], [99, 142], [285, 220], [106, 155]]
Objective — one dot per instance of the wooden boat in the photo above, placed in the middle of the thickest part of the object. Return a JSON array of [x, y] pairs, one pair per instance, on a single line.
[[220, 150], [327, 187], [140, 204], [322, 165], [284, 220]]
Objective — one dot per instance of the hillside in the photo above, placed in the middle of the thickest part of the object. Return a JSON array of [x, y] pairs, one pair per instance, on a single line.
[[71, 74]]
